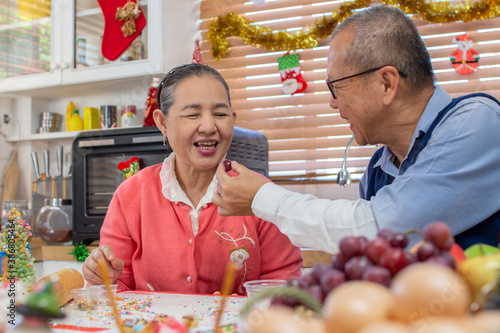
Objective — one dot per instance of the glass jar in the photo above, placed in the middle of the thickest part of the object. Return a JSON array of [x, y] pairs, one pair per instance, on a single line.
[[21, 206], [53, 223]]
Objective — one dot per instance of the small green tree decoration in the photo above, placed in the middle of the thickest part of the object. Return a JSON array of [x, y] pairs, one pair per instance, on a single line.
[[14, 242]]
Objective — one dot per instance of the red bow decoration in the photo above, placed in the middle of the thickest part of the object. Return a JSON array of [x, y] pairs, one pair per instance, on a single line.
[[129, 168]]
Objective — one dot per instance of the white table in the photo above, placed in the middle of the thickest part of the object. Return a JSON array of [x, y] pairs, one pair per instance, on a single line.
[[145, 305]]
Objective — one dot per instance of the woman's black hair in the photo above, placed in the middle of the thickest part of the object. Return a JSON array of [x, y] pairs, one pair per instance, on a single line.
[[166, 89]]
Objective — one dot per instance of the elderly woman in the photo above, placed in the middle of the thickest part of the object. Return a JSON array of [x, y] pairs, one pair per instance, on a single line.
[[162, 231]]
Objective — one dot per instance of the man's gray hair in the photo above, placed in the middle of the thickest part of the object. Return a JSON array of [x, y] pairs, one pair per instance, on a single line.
[[384, 35]]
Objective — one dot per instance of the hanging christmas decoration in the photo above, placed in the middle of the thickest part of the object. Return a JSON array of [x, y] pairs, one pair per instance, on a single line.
[[292, 79], [151, 103], [123, 22], [264, 37], [464, 59], [197, 53], [128, 13], [129, 168]]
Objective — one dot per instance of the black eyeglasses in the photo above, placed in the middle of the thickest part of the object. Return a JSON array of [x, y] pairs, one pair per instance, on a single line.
[[330, 83]]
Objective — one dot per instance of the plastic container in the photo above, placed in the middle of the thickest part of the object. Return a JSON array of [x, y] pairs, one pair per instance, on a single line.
[[93, 297], [76, 122], [53, 223], [90, 118], [85, 299], [69, 113], [253, 287], [103, 296]]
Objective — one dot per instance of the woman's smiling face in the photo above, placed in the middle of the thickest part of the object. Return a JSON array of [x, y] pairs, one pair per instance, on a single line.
[[200, 123]]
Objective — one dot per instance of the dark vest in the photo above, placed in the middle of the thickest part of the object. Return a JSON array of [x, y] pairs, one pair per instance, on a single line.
[[486, 232]]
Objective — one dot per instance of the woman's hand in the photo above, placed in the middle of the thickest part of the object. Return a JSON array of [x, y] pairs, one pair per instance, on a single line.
[[92, 272]]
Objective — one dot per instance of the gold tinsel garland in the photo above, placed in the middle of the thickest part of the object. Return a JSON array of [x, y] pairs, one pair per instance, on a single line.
[[263, 37]]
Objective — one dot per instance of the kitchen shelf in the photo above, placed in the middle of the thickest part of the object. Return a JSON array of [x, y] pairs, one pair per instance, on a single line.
[[44, 136], [54, 136]]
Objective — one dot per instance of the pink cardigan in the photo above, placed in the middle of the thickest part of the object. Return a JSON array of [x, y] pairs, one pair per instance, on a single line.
[[154, 238]]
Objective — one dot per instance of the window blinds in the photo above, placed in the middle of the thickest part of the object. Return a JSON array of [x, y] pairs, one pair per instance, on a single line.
[[307, 138]]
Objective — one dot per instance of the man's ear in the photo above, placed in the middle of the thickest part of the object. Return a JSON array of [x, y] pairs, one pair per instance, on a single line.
[[390, 78], [234, 116], [159, 119]]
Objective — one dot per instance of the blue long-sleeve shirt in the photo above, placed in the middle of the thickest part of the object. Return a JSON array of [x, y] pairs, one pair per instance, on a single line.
[[455, 179]]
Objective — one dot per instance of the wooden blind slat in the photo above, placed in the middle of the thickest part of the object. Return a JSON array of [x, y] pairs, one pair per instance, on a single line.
[[270, 113], [317, 165], [293, 133], [314, 143]]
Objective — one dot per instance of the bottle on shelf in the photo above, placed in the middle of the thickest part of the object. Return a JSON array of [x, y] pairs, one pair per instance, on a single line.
[[69, 113], [76, 122]]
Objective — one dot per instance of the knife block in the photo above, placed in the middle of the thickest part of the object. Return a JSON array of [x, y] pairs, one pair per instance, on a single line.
[[57, 187]]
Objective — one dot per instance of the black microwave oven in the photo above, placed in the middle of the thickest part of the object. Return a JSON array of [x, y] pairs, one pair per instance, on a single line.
[[96, 154]]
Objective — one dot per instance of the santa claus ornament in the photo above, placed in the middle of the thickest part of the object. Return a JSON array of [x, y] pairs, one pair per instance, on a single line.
[[291, 78], [464, 59], [123, 22]]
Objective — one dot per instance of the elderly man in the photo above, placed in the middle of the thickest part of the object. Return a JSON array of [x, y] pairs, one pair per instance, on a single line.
[[440, 156]]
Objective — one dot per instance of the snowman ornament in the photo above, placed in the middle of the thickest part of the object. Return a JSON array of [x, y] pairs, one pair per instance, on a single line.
[[464, 59]]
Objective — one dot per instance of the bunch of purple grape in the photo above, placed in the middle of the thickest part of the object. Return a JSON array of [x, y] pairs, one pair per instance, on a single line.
[[377, 260]]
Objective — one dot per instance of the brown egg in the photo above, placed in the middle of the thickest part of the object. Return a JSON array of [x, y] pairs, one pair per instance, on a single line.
[[386, 326], [274, 320], [441, 325], [353, 304], [426, 290], [487, 321], [313, 325]]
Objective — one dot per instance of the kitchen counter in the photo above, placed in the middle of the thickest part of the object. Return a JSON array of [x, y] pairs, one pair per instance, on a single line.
[[42, 252]]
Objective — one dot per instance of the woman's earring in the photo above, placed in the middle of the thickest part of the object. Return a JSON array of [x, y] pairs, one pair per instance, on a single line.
[[164, 141]]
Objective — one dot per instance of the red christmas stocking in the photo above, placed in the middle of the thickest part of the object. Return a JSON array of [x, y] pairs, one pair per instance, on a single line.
[[123, 22], [292, 79]]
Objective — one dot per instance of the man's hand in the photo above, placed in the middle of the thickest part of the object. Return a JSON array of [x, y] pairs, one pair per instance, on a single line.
[[234, 195], [91, 271]]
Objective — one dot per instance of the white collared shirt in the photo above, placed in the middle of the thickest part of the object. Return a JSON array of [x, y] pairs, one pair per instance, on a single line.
[[172, 191]]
